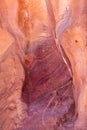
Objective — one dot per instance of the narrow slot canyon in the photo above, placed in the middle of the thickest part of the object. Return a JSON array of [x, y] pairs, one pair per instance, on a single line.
[[43, 65]]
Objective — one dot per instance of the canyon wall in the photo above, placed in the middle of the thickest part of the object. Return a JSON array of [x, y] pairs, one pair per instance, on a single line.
[[43, 65]]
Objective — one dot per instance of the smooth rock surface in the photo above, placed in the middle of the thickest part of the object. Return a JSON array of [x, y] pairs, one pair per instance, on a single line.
[[43, 65]]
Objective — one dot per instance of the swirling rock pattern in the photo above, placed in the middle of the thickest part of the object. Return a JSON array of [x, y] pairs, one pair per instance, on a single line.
[[42, 76]]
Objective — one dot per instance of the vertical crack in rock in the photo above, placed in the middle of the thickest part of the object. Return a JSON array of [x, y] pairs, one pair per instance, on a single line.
[[64, 24]]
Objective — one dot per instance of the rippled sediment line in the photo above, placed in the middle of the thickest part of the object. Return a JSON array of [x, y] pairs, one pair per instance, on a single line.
[[65, 23]]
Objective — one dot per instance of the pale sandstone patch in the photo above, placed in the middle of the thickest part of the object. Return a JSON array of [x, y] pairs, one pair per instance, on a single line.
[[5, 41]]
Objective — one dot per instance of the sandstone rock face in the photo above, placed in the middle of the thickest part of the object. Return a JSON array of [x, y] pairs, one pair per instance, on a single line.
[[43, 65], [11, 82]]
